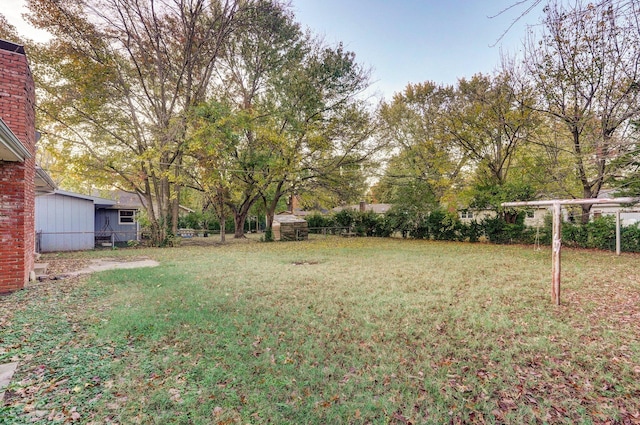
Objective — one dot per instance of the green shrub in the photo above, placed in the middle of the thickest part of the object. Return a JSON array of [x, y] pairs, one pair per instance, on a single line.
[[268, 234], [630, 238], [602, 233], [574, 235], [494, 229], [499, 231], [399, 221], [317, 221], [366, 223], [193, 220], [345, 218], [471, 231], [420, 230]]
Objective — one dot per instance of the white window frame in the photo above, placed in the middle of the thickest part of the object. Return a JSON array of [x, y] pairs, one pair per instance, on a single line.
[[132, 217], [466, 214]]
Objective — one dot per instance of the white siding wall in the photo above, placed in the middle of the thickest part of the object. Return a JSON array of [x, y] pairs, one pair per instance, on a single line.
[[627, 218], [66, 223]]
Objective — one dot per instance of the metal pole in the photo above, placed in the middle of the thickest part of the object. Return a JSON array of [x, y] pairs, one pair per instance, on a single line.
[[617, 232], [557, 245]]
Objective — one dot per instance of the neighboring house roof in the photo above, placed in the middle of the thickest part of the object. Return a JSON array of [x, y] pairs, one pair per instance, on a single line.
[[96, 200], [610, 194], [529, 207], [287, 217], [131, 201], [11, 149], [304, 213], [376, 208]]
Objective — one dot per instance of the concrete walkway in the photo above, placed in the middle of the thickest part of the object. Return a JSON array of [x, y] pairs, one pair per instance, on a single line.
[[6, 373], [102, 265]]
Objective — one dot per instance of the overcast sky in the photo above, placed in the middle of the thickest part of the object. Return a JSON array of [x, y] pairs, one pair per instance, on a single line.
[[402, 41]]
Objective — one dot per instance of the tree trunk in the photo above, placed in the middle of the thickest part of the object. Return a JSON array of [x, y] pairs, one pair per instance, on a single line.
[[239, 219], [240, 214], [270, 207], [586, 209], [510, 217], [222, 216], [175, 211], [269, 219], [223, 227]]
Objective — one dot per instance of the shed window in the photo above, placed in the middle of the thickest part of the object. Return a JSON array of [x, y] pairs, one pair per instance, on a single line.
[[466, 214], [126, 216]]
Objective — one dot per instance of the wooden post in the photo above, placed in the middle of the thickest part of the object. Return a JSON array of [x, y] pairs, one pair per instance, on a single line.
[[618, 232], [557, 246]]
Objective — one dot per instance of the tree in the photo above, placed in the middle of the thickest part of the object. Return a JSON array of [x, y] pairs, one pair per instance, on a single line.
[[414, 124], [452, 136], [486, 119], [320, 129], [299, 122], [117, 82], [8, 31], [627, 179], [211, 143], [586, 71]]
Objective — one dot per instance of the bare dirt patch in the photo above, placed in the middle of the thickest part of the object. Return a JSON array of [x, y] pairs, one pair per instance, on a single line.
[[305, 263], [64, 268]]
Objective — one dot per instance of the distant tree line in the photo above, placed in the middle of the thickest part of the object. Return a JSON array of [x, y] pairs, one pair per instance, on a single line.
[[231, 107], [558, 122]]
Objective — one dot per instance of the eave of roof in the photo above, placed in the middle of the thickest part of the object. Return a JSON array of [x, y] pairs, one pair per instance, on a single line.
[[96, 200], [12, 47], [44, 183], [11, 149]]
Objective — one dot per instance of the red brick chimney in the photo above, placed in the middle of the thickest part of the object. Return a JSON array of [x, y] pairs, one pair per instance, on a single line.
[[17, 169], [293, 204]]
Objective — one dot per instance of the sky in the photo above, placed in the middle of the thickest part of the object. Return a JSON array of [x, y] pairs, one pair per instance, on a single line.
[[413, 41], [401, 41]]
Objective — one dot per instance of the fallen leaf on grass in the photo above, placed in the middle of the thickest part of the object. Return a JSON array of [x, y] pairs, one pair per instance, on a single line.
[[507, 404], [175, 395], [463, 388], [398, 416]]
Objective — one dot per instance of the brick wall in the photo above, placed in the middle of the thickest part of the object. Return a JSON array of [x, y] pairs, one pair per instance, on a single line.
[[17, 180]]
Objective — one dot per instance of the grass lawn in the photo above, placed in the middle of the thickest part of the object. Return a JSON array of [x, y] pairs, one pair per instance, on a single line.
[[329, 331]]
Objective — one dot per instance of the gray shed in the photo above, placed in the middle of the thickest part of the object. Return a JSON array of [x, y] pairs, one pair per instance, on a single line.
[[118, 222], [65, 221], [288, 227]]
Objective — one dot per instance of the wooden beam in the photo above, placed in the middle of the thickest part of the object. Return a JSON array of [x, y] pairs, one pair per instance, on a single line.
[[587, 201], [555, 256], [617, 232]]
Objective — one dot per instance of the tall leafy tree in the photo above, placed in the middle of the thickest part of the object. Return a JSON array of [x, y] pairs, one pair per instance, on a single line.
[[586, 70], [451, 137], [413, 122], [303, 125], [627, 178], [486, 119], [117, 82], [7, 30]]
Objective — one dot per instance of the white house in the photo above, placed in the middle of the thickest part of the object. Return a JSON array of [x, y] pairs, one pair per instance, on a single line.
[[534, 216]]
